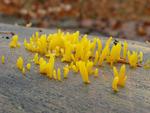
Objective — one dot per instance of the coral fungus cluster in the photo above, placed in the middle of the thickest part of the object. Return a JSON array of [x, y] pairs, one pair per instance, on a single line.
[[80, 54]]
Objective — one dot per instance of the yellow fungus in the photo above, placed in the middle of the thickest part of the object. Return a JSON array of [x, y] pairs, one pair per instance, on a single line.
[[99, 46], [54, 74], [20, 63], [114, 55], [133, 58], [141, 56], [96, 72], [66, 71], [59, 74], [50, 66], [115, 83], [96, 58], [74, 68], [122, 76], [36, 58], [23, 71], [119, 78], [28, 66], [104, 54], [84, 72], [14, 42], [89, 66], [3, 59]]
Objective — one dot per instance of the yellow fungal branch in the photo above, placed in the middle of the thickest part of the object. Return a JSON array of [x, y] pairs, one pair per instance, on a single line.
[[14, 42], [84, 72], [59, 74], [36, 59], [3, 59], [115, 83], [125, 49], [133, 59], [54, 74], [66, 71], [114, 54], [23, 71], [119, 78], [28, 66], [141, 56], [96, 72], [99, 43], [122, 76], [50, 66], [20, 63]]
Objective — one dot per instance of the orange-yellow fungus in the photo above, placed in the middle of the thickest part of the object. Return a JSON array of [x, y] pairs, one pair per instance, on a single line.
[[99, 43], [36, 58], [28, 66], [115, 83], [20, 63], [133, 58], [3, 59], [96, 72], [104, 54], [141, 56], [23, 71], [50, 66], [89, 66], [84, 72], [119, 78], [66, 71], [43, 67], [59, 74], [114, 54], [14, 42], [122, 76], [54, 74]]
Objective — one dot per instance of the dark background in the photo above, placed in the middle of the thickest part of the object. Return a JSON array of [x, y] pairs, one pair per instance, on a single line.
[[127, 19]]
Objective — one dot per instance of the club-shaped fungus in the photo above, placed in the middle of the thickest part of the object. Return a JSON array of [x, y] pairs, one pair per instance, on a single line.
[[3, 59], [20, 63], [14, 42]]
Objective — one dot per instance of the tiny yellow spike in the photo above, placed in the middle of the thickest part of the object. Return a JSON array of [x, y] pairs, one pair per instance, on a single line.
[[14, 42], [36, 59], [54, 74], [96, 58], [23, 71], [115, 83], [115, 72], [141, 56], [122, 76], [3, 59], [96, 72], [20, 63], [66, 71], [28, 66], [59, 74]]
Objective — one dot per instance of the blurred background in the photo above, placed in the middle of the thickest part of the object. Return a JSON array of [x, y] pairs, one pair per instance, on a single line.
[[127, 19]]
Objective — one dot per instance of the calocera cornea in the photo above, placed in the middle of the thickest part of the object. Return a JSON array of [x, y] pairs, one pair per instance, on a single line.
[[58, 74], [3, 59], [20, 63], [28, 66], [133, 58], [66, 71], [14, 42], [84, 72], [119, 78]]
